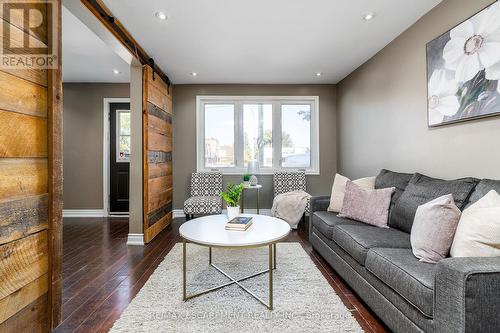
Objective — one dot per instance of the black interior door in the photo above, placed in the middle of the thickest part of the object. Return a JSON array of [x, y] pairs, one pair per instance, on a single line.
[[119, 118]]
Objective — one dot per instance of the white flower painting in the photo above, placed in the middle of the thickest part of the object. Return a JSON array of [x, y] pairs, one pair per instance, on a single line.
[[443, 100], [463, 70]]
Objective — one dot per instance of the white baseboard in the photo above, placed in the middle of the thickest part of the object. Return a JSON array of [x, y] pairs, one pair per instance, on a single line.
[[180, 213], [135, 239], [84, 213]]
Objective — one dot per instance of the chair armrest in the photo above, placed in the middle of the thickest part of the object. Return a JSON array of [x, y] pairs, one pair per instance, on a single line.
[[319, 203], [467, 295]]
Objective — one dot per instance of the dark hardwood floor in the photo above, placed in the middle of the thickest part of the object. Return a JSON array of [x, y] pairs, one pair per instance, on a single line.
[[101, 274]]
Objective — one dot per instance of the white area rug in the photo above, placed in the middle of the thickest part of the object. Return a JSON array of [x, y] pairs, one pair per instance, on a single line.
[[303, 299]]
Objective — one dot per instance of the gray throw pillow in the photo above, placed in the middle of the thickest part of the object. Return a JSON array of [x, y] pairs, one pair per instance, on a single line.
[[434, 228], [483, 188], [368, 206], [399, 180], [422, 189]]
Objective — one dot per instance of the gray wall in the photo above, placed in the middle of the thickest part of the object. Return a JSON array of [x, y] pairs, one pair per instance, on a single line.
[[382, 121], [83, 127], [184, 104]]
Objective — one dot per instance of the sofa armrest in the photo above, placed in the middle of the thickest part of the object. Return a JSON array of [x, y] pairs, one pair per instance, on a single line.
[[467, 295], [317, 204]]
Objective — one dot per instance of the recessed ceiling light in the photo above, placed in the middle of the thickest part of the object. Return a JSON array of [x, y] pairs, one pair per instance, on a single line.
[[161, 15], [318, 74], [368, 16], [116, 72], [194, 74]]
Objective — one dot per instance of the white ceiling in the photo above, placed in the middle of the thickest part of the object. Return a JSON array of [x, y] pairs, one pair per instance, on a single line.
[[86, 58], [265, 41]]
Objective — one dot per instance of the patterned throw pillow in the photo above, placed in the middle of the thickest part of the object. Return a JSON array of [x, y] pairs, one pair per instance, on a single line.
[[433, 229], [368, 206], [339, 188]]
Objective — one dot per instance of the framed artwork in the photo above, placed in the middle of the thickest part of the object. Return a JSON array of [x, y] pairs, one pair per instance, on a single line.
[[463, 70]]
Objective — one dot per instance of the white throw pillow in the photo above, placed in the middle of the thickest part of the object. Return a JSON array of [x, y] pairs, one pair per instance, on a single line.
[[478, 232], [338, 190]]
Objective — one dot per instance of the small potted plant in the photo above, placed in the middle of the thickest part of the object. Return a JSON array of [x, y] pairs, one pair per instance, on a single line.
[[232, 198], [246, 179]]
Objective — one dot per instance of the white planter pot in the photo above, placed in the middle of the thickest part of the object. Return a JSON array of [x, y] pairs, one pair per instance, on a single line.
[[233, 212]]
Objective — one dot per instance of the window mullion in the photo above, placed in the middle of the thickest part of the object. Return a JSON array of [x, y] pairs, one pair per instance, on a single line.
[[238, 135], [200, 158], [276, 135]]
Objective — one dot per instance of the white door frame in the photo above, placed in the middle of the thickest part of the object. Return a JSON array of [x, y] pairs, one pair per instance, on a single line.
[[105, 150]]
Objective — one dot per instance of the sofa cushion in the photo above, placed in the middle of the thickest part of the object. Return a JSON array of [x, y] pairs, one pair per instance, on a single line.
[[402, 272], [387, 178], [325, 221], [482, 188], [422, 189], [358, 239]]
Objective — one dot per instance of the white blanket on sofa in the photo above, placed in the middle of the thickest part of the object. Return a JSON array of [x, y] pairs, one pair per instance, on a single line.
[[290, 207]]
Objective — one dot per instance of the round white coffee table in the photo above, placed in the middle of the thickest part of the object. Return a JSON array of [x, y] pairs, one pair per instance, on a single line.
[[210, 231]]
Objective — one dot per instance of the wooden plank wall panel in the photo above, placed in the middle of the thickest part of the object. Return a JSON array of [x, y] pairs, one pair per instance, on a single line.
[[22, 96], [30, 135], [14, 142], [23, 297], [22, 217], [157, 144], [21, 177], [22, 262], [30, 319]]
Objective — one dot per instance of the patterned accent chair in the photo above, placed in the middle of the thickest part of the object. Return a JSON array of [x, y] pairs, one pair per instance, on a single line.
[[288, 181], [205, 199]]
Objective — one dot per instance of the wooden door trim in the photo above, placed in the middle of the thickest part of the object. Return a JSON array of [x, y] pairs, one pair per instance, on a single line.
[[55, 179], [145, 164], [105, 149]]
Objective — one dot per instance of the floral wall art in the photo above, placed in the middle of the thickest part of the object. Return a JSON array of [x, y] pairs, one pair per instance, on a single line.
[[463, 70]]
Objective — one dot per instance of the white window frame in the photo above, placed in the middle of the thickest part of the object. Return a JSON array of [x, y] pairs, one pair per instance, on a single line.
[[238, 102]]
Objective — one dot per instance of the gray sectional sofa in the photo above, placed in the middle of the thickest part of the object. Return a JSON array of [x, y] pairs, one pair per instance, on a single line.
[[455, 295]]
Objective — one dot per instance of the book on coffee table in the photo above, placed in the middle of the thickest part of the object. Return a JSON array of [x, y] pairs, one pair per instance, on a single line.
[[241, 223]]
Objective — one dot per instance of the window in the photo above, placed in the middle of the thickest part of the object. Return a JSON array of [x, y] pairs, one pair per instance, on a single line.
[[123, 136], [219, 136], [278, 132]]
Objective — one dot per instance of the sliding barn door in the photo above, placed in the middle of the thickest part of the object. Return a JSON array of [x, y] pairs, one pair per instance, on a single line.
[[30, 177], [157, 154]]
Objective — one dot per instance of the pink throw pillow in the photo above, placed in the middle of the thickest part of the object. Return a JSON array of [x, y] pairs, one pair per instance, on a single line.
[[368, 206]]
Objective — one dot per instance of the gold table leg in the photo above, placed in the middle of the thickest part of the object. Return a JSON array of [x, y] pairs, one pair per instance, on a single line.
[[184, 270], [271, 267], [274, 255], [270, 305]]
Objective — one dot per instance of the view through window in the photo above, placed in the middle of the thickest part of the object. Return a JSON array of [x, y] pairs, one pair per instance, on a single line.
[[277, 132]]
